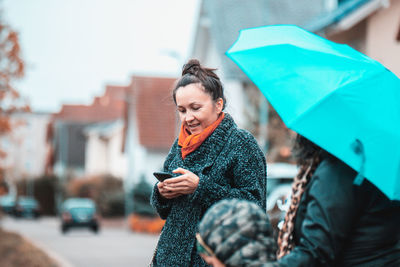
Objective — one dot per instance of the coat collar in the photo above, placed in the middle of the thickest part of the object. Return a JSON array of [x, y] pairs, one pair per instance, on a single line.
[[212, 146]]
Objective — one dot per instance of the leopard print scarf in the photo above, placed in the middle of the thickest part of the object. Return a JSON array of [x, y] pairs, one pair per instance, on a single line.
[[285, 236]]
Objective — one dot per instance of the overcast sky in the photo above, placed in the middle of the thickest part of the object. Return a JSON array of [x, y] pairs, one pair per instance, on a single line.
[[73, 48]]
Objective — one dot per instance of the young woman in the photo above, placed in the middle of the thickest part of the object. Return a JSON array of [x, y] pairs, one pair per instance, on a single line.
[[331, 221], [211, 160]]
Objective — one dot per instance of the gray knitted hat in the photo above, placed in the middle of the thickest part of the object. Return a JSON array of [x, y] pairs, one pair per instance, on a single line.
[[239, 233]]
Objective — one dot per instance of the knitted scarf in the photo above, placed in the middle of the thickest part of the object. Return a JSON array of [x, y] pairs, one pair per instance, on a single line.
[[190, 142]]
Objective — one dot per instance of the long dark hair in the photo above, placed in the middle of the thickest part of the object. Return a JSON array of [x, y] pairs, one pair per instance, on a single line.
[[308, 156], [193, 72]]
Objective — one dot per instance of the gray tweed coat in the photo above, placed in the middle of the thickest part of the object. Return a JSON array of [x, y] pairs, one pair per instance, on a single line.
[[229, 164]]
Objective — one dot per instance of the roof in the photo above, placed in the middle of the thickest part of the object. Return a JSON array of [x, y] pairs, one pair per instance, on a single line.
[[155, 111], [348, 14], [108, 107]]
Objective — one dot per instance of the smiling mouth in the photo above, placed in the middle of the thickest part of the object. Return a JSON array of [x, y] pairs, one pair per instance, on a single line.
[[193, 126]]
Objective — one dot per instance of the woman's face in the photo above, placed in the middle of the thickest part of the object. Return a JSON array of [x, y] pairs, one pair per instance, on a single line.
[[196, 108]]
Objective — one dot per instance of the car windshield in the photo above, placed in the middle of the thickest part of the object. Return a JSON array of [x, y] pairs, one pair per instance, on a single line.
[[7, 200], [82, 209], [79, 203], [27, 201]]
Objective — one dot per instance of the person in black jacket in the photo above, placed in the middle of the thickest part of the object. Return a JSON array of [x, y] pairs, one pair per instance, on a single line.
[[212, 160], [331, 221]]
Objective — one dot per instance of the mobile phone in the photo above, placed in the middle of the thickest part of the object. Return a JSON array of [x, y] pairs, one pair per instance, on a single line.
[[161, 176]]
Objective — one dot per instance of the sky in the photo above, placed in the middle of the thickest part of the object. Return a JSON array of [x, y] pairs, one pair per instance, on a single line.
[[74, 48]]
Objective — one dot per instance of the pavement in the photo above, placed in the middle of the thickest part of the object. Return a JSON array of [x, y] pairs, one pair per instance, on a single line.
[[115, 245]]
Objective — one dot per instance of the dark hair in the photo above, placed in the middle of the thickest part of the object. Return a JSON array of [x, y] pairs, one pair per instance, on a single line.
[[305, 151], [193, 72]]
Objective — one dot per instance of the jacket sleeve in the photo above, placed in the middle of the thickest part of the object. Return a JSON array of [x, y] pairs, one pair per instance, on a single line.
[[163, 205], [330, 212], [248, 181]]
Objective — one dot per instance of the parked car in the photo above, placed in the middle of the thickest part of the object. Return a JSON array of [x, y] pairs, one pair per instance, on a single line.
[[7, 204], [279, 188], [27, 207], [79, 212]]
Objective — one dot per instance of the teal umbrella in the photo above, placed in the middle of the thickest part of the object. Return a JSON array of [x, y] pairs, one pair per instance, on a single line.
[[340, 99]]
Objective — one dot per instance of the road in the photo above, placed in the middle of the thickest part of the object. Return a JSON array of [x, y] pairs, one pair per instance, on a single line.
[[112, 246]]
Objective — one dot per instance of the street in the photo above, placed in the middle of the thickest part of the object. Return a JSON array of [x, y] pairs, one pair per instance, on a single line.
[[112, 246]]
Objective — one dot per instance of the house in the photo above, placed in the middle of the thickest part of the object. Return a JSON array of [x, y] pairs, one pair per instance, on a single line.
[[127, 133], [25, 147], [73, 131], [152, 126]]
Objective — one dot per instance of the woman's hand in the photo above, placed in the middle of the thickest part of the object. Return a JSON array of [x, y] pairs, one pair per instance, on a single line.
[[168, 194], [182, 185]]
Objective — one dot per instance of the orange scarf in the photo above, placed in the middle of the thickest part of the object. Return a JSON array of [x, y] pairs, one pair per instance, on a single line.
[[190, 142]]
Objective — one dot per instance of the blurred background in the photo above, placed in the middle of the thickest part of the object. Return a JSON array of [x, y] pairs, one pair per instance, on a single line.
[[86, 112]]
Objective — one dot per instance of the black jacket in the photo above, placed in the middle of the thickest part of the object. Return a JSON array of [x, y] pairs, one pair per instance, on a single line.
[[341, 224], [229, 164]]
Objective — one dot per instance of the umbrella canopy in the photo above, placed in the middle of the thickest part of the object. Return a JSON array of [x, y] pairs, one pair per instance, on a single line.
[[340, 99]]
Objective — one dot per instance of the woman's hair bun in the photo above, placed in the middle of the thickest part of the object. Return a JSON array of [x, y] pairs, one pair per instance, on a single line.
[[194, 73], [192, 67]]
